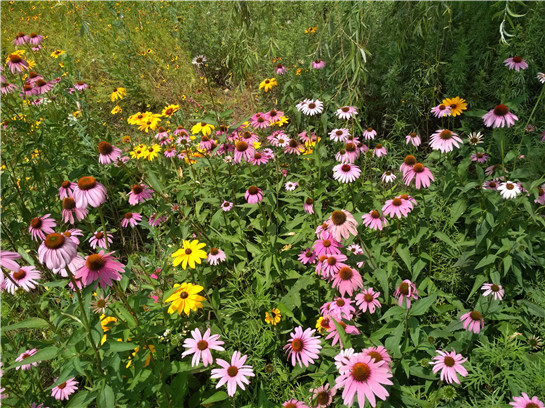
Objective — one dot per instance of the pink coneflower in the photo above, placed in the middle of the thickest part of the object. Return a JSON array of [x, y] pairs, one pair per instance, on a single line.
[[526, 402], [7, 260], [303, 348], [449, 364], [407, 164], [342, 157], [397, 208], [290, 186], [102, 267], [318, 64], [540, 195], [340, 308], [139, 193], [332, 264], [80, 85], [56, 251], [248, 137], [206, 143], [509, 190], [108, 153], [388, 177], [67, 189], [293, 147], [227, 206], [69, 209], [281, 140], [244, 151], [41, 87], [516, 63], [377, 354], [199, 60], [308, 206], [21, 39], [327, 246], [406, 290], [17, 63], [73, 234], [26, 90], [280, 69], [369, 133], [479, 157], [491, 185], [6, 88], [343, 358], [273, 115], [493, 289], [258, 121], [156, 220], [25, 278], [293, 403], [379, 150], [73, 266], [233, 374], [499, 117], [347, 112], [413, 139], [131, 218], [347, 280], [40, 226], [334, 334], [35, 39], [339, 135], [323, 395], [341, 224], [352, 152], [170, 152], [253, 195], [312, 107], [364, 378], [305, 138], [368, 300], [307, 256], [200, 346], [99, 238], [89, 192], [473, 321], [422, 175], [441, 110], [445, 140], [23, 356], [64, 390], [215, 256], [346, 173]]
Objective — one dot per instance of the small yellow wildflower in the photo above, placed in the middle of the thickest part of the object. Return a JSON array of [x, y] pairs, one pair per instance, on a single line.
[[282, 121], [118, 93], [274, 317], [170, 110], [152, 152], [267, 84], [57, 53], [151, 348], [126, 139], [117, 109]]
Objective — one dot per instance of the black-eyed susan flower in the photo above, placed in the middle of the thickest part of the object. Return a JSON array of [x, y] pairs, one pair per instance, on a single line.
[[118, 93], [170, 110], [150, 122], [273, 317], [57, 53], [185, 298], [151, 152], [267, 84], [457, 105], [205, 128], [117, 109], [190, 253]]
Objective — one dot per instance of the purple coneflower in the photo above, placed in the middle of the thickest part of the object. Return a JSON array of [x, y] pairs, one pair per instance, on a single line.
[[339, 135], [89, 192], [40, 226], [388, 177], [347, 280], [21, 39], [215, 256], [318, 64], [200, 346], [406, 290], [369, 133], [308, 206], [441, 110], [280, 69], [67, 189], [64, 390], [526, 402], [233, 374], [80, 85], [340, 308], [244, 151], [479, 157], [312, 107], [346, 173], [170, 152], [273, 115], [35, 39], [25, 278], [397, 208], [413, 139], [377, 354], [540, 195], [473, 321], [41, 87], [227, 206], [290, 186], [23, 356], [293, 403], [294, 147], [445, 140], [139, 193], [368, 300], [516, 63], [326, 246], [131, 219], [303, 348], [99, 238], [69, 209], [379, 150], [499, 117], [422, 175], [253, 195], [7, 260], [323, 395], [307, 256], [102, 267], [17, 63], [493, 289], [341, 224], [347, 112], [108, 153], [509, 190], [259, 121], [6, 88], [374, 220], [449, 364], [331, 264]]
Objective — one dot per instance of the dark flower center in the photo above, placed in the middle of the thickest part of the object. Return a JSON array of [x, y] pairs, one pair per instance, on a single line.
[[232, 371], [188, 251], [340, 302], [346, 167], [418, 168], [308, 254], [446, 134], [322, 398], [517, 59], [87, 183], [246, 135], [101, 303], [27, 87], [290, 405], [253, 190], [501, 110], [15, 59], [241, 146], [19, 274], [21, 34], [257, 156], [368, 297], [128, 215], [184, 295], [540, 191], [137, 189], [326, 243], [99, 235], [475, 315], [80, 83], [339, 132], [279, 66], [25, 356], [369, 129], [293, 143], [404, 289], [105, 148], [202, 345], [309, 200], [345, 108], [410, 160], [338, 217], [346, 273], [404, 196], [40, 82], [375, 214], [226, 204], [509, 186], [54, 241], [378, 146], [260, 120], [495, 288], [214, 251], [95, 262], [331, 261], [273, 113], [492, 184], [531, 405], [413, 134], [453, 106], [350, 147], [61, 386], [480, 155], [361, 372], [68, 203], [297, 345], [375, 355], [312, 105], [33, 35], [397, 202], [449, 361], [205, 138], [36, 222]]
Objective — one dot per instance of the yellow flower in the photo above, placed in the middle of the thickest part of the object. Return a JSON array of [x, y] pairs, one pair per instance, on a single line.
[[150, 122], [311, 30], [267, 84], [151, 348], [205, 128], [116, 110], [31, 64], [298, 71], [282, 121], [170, 110], [139, 152], [151, 152], [105, 322], [190, 253], [457, 105], [138, 118], [274, 317], [257, 145], [309, 146], [185, 298], [322, 324], [126, 139], [57, 53], [118, 93]]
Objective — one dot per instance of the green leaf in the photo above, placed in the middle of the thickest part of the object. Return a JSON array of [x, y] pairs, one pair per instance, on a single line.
[[382, 277], [81, 400], [445, 238], [106, 397], [32, 323], [457, 210], [45, 354], [421, 306], [487, 260], [404, 254], [533, 308], [479, 280], [218, 396], [154, 181], [345, 340], [118, 346]]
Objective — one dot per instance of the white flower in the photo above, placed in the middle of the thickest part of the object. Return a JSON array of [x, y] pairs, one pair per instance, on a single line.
[[541, 77], [475, 138], [509, 190], [290, 186], [388, 177], [310, 107]]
